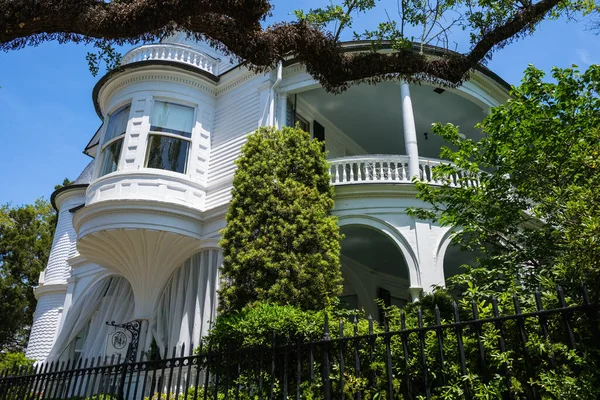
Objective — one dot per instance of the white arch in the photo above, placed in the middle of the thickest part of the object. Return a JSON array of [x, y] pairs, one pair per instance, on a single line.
[[414, 275], [442, 247]]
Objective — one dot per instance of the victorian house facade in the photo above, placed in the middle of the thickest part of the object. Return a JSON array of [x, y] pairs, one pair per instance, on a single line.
[[138, 231]]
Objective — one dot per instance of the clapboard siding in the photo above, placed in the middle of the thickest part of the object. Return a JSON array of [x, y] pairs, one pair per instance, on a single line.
[[219, 196], [222, 159], [237, 112]]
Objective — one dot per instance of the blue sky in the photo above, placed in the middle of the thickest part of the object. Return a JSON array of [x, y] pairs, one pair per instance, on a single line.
[[47, 115]]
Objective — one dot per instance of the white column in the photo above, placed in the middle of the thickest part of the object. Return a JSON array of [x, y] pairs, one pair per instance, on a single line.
[[264, 103], [410, 131], [282, 117]]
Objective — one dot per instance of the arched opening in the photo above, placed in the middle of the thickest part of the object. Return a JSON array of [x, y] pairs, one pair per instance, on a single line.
[[373, 267], [188, 304], [455, 257], [84, 333]]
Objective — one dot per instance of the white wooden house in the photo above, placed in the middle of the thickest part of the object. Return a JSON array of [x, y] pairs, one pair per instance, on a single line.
[[138, 232]]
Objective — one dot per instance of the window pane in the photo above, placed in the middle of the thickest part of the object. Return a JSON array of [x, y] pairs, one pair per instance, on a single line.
[[167, 153], [110, 159], [172, 118], [117, 124]]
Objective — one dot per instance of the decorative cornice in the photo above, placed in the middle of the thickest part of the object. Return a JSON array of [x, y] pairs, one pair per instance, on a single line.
[[151, 207], [158, 66], [167, 74], [173, 177], [65, 192], [293, 70], [398, 190], [223, 87], [50, 288]]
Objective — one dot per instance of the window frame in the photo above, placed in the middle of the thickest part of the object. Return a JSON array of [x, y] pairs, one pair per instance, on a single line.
[[190, 139], [106, 144], [302, 119]]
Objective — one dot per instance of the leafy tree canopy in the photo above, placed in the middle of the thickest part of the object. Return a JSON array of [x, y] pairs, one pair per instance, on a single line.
[[280, 244], [535, 213], [238, 28], [25, 240]]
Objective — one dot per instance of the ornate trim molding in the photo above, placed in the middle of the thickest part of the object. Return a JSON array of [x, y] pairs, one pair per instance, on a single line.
[[144, 75], [245, 77], [50, 288]]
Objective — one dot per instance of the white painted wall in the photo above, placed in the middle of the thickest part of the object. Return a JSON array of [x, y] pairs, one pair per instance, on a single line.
[[52, 288]]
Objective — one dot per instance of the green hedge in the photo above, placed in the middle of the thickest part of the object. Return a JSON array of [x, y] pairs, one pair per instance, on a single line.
[[545, 365]]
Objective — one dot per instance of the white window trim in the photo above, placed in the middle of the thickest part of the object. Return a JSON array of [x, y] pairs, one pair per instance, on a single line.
[[101, 155], [190, 139]]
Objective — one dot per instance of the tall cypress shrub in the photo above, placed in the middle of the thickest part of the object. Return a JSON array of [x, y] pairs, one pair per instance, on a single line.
[[281, 244]]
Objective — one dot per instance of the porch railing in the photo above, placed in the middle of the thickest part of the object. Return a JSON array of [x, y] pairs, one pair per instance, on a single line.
[[382, 168], [442, 346], [171, 52]]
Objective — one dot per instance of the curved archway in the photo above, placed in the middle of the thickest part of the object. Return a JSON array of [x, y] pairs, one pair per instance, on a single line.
[[373, 266], [188, 302], [450, 256], [396, 237], [84, 331]]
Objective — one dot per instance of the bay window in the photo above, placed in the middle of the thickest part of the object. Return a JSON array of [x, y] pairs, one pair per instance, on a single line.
[[170, 136], [113, 140]]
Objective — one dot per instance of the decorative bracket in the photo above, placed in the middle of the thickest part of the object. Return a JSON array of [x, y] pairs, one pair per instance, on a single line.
[[132, 327]]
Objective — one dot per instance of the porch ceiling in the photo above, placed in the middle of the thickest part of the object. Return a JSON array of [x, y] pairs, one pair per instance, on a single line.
[[372, 117]]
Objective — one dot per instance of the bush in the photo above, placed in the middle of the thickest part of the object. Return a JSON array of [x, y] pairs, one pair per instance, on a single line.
[[12, 360], [281, 244], [545, 364]]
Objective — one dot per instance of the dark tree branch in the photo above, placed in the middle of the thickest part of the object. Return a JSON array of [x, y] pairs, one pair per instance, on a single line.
[[234, 26]]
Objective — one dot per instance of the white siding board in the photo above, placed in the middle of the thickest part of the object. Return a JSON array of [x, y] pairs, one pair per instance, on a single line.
[[237, 111]]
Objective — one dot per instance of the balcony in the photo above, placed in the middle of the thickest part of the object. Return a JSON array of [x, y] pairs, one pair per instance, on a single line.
[[385, 168], [171, 52]]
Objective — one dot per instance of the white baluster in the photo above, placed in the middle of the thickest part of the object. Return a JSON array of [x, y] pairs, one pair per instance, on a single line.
[[352, 172]]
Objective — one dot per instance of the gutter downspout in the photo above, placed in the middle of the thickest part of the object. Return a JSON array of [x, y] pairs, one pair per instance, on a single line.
[[272, 93]]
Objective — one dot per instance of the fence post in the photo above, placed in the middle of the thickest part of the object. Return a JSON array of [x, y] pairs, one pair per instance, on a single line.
[[121, 389], [461, 348], [523, 335], [326, 344], [592, 313], [342, 361], [356, 355]]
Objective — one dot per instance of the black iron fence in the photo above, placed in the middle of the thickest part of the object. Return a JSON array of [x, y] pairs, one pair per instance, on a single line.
[[450, 351]]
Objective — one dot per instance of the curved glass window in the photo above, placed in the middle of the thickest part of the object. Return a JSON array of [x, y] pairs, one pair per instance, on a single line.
[[113, 140], [169, 138]]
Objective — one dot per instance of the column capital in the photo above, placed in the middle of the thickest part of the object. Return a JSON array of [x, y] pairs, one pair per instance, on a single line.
[[415, 293]]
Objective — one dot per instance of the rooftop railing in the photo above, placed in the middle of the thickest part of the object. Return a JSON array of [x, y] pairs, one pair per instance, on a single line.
[[171, 52]]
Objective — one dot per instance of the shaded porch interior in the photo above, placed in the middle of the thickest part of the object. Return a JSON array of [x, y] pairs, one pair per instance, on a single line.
[[373, 267], [370, 116]]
